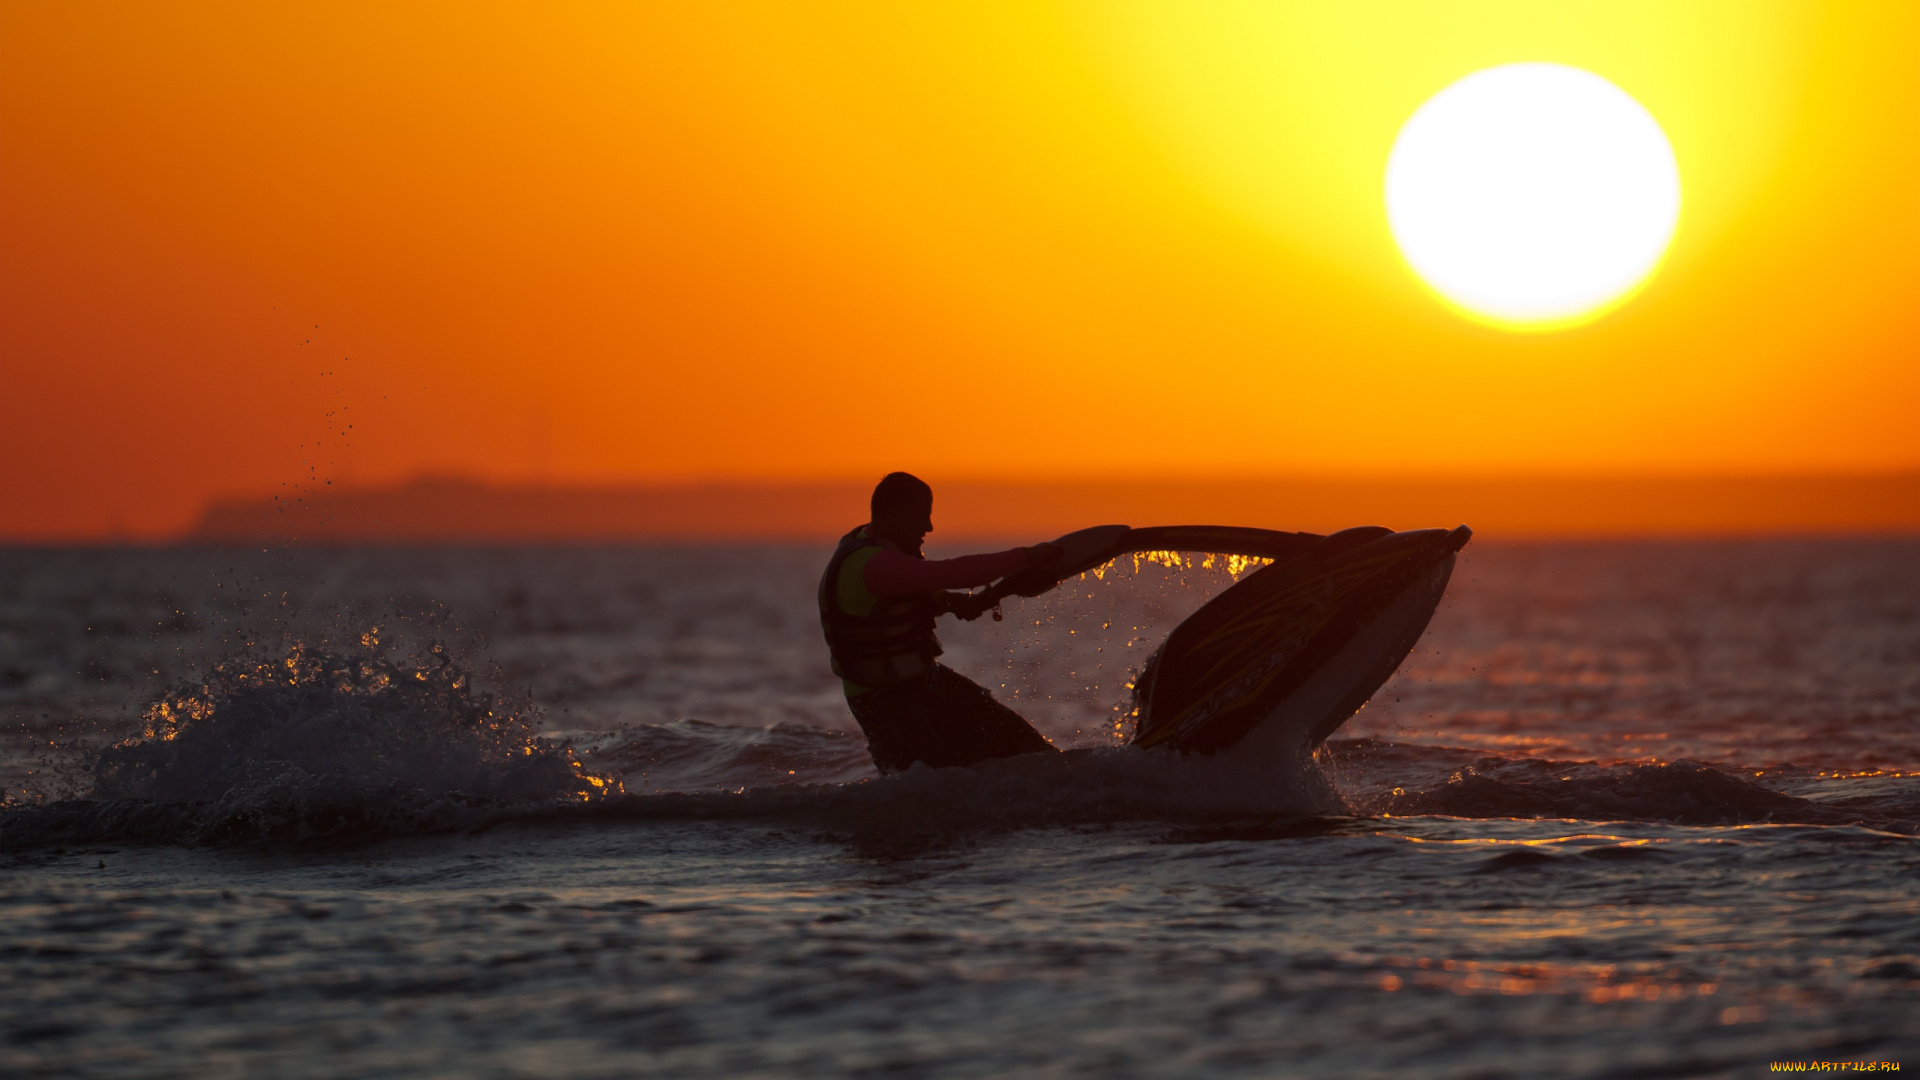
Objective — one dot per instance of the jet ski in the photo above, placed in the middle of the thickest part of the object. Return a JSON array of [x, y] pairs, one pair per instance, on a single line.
[[1277, 662]]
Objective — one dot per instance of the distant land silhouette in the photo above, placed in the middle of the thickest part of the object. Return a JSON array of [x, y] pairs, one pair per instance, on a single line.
[[435, 510]]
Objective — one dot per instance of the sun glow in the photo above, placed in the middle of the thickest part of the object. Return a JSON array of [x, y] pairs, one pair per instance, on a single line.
[[700, 220], [1533, 196]]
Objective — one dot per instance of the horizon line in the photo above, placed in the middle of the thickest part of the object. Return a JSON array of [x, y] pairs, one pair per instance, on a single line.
[[453, 508], [440, 510]]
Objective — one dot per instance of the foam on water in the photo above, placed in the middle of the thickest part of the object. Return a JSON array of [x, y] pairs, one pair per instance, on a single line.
[[312, 744]]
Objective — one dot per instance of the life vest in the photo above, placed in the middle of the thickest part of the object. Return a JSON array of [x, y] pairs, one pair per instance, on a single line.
[[892, 643]]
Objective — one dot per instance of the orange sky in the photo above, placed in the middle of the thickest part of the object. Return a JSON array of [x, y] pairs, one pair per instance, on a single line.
[[589, 243]]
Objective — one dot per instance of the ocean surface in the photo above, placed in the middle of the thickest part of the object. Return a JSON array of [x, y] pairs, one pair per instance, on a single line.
[[1630, 809]]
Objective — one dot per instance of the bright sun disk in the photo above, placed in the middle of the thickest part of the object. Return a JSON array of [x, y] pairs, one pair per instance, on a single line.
[[1533, 196]]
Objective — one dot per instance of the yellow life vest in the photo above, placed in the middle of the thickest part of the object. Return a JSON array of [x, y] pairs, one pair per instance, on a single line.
[[873, 641]]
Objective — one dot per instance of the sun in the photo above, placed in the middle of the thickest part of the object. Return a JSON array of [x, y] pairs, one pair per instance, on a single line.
[[1533, 196]]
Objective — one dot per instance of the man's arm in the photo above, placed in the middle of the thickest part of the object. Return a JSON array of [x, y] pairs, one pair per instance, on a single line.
[[891, 573]]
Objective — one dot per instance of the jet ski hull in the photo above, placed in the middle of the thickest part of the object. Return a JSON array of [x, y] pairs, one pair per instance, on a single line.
[[1284, 657]]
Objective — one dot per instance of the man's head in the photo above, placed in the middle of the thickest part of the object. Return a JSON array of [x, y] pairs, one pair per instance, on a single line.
[[903, 510]]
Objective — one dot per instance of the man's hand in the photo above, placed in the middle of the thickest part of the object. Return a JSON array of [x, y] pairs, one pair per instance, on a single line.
[[969, 606]]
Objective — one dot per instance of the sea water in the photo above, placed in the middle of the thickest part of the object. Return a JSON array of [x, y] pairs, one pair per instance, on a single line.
[[1630, 809]]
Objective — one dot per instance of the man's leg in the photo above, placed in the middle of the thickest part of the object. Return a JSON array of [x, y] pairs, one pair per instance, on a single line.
[[894, 720], [970, 726], [942, 718]]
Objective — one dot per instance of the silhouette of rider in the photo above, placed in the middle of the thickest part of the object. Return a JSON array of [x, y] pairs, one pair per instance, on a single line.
[[879, 598]]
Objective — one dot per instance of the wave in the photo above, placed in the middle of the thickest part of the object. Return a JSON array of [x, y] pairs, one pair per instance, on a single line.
[[321, 747], [316, 745], [324, 746], [693, 755], [1402, 780]]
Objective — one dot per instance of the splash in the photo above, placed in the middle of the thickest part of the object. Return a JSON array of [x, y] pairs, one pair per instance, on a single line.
[[313, 743], [1235, 565]]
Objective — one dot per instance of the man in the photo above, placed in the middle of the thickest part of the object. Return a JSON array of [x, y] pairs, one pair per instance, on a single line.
[[879, 598]]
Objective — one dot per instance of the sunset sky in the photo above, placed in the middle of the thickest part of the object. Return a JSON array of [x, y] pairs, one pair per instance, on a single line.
[[611, 242]]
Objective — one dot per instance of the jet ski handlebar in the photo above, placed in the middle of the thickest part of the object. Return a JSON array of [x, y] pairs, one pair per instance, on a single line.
[[1084, 549]]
